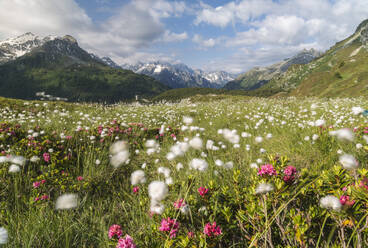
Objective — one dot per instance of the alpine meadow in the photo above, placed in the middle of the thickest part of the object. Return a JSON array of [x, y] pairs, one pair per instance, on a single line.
[[183, 124]]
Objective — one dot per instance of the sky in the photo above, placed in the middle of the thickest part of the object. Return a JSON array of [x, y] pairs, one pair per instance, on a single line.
[[229, 35]]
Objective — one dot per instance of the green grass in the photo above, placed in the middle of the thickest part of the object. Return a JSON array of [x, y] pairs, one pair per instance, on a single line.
[[294, 216]]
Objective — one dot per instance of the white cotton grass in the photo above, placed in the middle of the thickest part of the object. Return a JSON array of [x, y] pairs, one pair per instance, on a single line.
[[264, 188], [231, 135], [196, 143], [164, 170], [3, 236], [258, 139], [198, 164], [157, 190], [187, 120], [14, 168], [319, 123], [348, 162], [137, 177], [357, 110], [330, 202], [343, 134], [66, 201], [119, 152], [34, 159]]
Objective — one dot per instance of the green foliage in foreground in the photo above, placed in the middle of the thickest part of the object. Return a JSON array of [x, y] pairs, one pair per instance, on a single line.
[[76, 135]]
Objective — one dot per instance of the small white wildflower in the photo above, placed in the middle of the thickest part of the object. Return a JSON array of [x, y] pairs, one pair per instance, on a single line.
[[209, 144], [315, 137], [198, 164], [259, 161], [269, 136], [319, 123], [253, 166], [169, 180], [358, 146], [343, 134], [196, 143], [98, 162], [262, 150], [187, 120], [179, 166], [229, 165], [164, 170], [137, 177], [67, 201], [340, 151], [330, 202], [34, 159], [218, 162], [264, 188], [357, 110], [306, 138], [3, 236], [258, 139], [14, 168], [348, 162], [236, 146], [185, 209]]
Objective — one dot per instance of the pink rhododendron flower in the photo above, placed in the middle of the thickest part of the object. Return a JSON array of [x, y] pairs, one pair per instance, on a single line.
[[115, 230], [136, 189], [345, 200], [169, 225], [289, 174], [202, 191], [212, 230], [46, 157], [126, 242], [36, 184], [80, 178], [267, 170], [179, 203], [44, 197]]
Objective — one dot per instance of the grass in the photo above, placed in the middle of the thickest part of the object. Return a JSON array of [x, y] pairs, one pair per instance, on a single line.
[[294, 215]]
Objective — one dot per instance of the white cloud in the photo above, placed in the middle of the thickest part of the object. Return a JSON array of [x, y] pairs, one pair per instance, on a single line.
[[204, 43], [174, 37]]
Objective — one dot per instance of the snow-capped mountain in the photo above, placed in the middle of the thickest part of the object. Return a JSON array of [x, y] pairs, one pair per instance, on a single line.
[[13, 48], [178, 75], [108, 61]]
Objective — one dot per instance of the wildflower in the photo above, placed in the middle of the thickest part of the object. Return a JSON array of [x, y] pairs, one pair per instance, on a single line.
[[319, 123], [231, 136], [315, 137], [46, 157], [190, 235], [157, 190], [179, 166], [267, 170], [289, 174], [196, 143], [253, 166], [348, 162], [137, 177], [187, 120], [34, 159], [98, 162], [343, 134], [345, 200], [357, 110], [330, 202], [169, 225], [202, 191], [198, 164], [115, 230], [80, 178], [136, 189], [45, 197], [120, 153], [258, 139], [126, 242], [14, 168], [3, 236], [212, 230], [264, 188], [179, 203], [67, 201]]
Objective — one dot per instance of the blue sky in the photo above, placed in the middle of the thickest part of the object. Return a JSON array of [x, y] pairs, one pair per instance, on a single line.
[[230, 35]]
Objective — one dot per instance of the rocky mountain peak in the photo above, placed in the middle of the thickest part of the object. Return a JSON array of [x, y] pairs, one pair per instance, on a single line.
[[70, 38]]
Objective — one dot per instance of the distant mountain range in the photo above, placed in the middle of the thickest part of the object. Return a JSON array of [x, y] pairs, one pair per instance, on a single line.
[[59, 67], [259, 76], [178, 75]]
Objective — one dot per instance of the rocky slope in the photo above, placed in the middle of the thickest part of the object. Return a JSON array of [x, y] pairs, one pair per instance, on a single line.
[[259, 76]]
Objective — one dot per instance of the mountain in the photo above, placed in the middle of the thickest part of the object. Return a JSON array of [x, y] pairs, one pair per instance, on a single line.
[[259, 76], [59, 67], [342, 71], [180, 75], [110, 63]]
